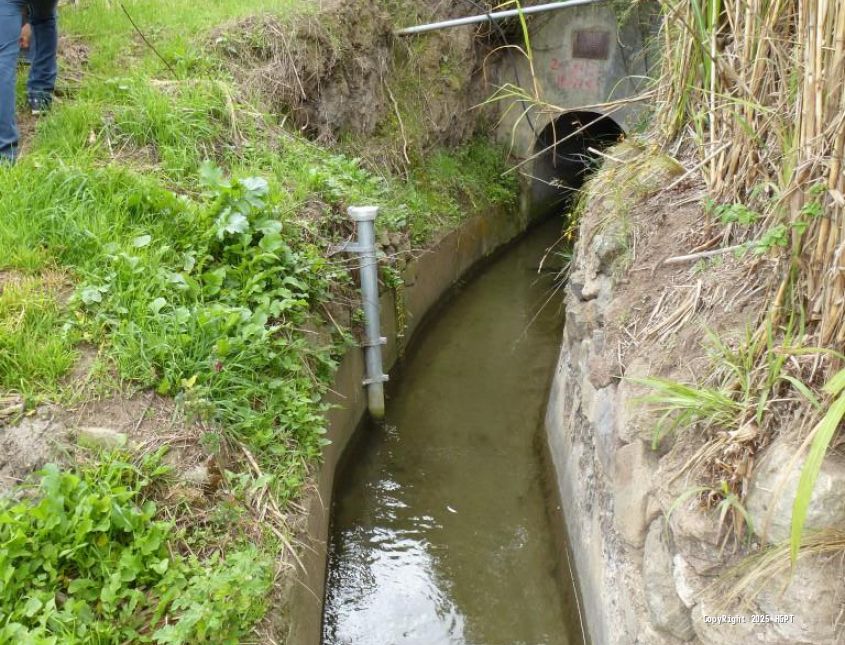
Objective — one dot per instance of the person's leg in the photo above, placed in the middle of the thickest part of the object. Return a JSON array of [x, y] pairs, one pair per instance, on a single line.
[[43, 70], [10, 31]]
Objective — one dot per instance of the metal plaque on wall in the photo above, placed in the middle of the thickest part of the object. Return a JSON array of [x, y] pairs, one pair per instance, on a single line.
[[591, 43]]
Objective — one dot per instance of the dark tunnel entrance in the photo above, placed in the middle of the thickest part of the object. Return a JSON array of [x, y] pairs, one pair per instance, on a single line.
[[564, 159]]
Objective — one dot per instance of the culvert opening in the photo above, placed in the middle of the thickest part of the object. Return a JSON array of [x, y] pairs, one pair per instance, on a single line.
[[564, 157]]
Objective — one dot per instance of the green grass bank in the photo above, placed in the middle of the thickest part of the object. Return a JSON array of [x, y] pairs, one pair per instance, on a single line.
[[165, 235]]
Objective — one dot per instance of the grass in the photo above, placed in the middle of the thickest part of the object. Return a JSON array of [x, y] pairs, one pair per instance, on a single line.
[[164, 219], [754, 381], [770, 568], [682, 406], [170, 24], [33, 356]]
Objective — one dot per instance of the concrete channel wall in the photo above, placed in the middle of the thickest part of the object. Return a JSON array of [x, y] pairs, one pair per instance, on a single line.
[[427, 280], [649, 558]]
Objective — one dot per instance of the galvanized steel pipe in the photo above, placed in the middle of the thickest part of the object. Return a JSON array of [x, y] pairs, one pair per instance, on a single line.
[[489, 17], [364, 218]]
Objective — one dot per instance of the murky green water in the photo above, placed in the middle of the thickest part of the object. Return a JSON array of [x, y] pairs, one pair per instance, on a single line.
[[441, 525]]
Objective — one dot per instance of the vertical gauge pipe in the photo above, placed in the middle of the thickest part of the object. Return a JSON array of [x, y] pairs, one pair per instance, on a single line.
[[365, 219]]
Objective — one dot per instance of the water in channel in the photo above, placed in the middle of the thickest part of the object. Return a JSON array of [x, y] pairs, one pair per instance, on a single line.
[[442, 531]]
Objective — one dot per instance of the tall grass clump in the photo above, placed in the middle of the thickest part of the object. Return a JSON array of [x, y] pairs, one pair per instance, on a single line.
[[757, 89]]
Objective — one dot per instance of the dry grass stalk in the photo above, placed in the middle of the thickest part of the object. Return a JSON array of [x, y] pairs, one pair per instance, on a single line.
[[769, 569], [768, 78]]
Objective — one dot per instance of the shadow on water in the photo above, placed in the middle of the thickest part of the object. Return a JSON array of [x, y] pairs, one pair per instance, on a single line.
[[445, 529]]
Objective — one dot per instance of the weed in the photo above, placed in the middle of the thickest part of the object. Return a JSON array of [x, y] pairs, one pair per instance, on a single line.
[[686, 405], [221, 602], [727, 503], [755, 380], [212, 315], [746, 388], [734, 213], [84, 561], [776, 237]]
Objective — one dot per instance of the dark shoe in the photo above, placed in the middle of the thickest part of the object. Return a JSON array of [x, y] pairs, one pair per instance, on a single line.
[[39, 104]]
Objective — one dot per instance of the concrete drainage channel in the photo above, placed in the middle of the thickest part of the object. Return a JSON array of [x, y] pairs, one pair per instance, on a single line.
[[440, 513], [541, 568], [451, 593], [427, 280]]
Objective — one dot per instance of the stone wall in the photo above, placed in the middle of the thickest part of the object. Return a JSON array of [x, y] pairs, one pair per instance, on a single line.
[[646, 553]]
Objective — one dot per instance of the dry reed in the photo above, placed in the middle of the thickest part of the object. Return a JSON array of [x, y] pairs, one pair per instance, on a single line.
[[759, 87]]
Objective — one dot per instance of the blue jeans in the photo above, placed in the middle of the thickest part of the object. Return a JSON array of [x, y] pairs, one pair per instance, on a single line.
[[42, 73]]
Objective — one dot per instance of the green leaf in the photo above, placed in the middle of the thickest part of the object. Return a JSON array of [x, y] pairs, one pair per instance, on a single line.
[[231, 222], [822, 435], [268, 226], [189, 264], [157, 305], [812, 209], [119, 518], [271, 242], [803, 389], [776, 236], [835, 384], [211, 176], [800, 226], [79, 584], [141, 241], [164, 386], [256, 186], [32, 607], [91, 295], [214, 280]]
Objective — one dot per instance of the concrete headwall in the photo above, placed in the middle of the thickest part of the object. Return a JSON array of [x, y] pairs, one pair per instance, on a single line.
[[588, 63], [569, 80]]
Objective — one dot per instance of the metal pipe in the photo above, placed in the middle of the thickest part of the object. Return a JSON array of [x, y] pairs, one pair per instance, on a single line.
[[364, 218], [499, 15]]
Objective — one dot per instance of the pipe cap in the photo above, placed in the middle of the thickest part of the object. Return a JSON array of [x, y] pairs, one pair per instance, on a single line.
[[363, 213]]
